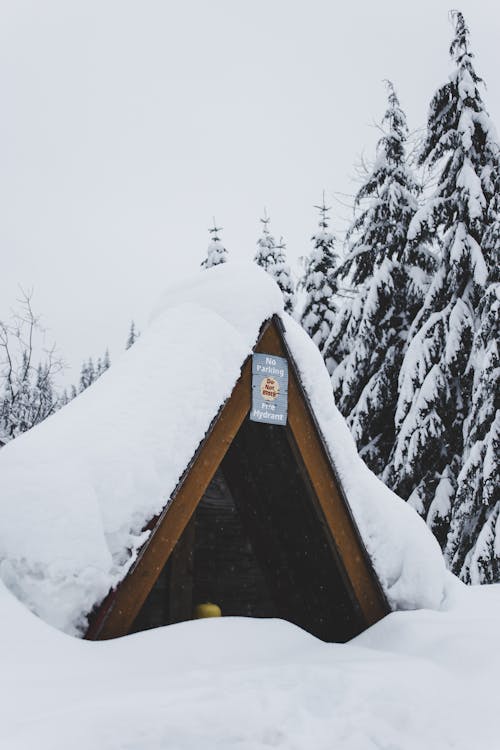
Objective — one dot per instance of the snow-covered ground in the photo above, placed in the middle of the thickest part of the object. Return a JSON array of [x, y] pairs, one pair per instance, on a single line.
[[422, 679]]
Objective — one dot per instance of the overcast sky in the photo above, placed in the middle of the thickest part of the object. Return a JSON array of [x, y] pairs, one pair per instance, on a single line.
[[125, 126]]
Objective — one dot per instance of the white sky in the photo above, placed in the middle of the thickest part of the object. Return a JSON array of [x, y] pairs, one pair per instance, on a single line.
[[126, 125]]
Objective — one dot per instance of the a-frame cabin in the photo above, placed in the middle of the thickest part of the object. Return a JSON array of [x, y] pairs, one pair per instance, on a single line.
[[259, 524]]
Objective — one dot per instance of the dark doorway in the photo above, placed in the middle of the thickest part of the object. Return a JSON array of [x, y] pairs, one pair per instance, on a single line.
[[257, 545], [213, 561]]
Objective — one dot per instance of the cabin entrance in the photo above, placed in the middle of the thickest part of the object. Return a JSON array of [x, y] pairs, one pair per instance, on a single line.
[[257, 545]]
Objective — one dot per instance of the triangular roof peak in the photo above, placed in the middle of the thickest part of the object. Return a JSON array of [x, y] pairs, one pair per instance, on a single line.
[[334, 526]]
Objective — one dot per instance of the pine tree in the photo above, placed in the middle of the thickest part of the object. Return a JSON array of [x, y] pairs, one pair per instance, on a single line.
[[216, 252], [320, 283], [45, 401], [133, 335], [103, 364], [437, 375], [27, 393], [106, 363], [16, 402], [266, 245], [281, 273], [63, 399], [473, 545], [90, 373], [272, 258], [31, 399], [366, 345], [476, 500], [87, 374]]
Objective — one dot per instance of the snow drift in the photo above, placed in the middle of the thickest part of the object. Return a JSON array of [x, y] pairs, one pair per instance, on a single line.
[[78, 490], [415, 680]]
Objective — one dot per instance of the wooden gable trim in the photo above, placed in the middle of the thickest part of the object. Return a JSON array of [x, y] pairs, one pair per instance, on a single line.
[[118, 611]]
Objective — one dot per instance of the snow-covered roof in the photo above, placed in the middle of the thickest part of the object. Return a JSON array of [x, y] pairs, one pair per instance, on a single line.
[[78, 489]]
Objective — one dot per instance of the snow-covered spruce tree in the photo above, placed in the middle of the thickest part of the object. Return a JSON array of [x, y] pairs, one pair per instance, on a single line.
[[266, 245], [64, 398], [133, 335], [437, 374], [27, 393], [366, 344], [272, 258], [104, 363], [87, 375], [90, 372], [28, 399], [216, 252], [473, 545], [281, 273], [320, 283]]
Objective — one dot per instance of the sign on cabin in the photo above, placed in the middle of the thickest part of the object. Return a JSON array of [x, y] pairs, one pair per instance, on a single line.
[[269, 389]]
